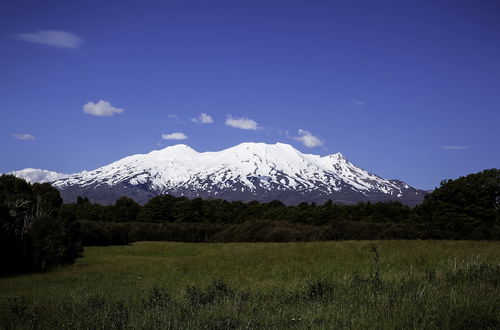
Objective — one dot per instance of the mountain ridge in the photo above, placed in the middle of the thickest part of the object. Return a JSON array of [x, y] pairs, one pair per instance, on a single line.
[[248, 171]]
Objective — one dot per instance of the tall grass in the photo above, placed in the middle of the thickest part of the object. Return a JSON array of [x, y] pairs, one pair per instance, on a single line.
[[351, 284]]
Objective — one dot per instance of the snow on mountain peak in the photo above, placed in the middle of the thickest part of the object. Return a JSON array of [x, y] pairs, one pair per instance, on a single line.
[[178, 147], [247, 171], [248, 165], [337, 156], [35, 175]]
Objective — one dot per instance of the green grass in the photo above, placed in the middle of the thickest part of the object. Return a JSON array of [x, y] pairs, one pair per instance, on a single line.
[[411, 285]]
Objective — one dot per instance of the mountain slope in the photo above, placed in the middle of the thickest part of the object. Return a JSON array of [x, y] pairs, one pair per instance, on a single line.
[[248, 171]]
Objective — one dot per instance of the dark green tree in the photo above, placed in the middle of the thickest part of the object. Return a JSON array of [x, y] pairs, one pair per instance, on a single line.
[[48, 199], [33, 235], [471, 200], [125, 209], [158, 209]]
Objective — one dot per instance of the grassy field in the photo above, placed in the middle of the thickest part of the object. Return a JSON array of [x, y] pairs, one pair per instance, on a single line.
[[350, 284]]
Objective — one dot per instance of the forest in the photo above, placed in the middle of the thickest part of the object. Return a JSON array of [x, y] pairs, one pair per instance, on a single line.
[[38, 230]]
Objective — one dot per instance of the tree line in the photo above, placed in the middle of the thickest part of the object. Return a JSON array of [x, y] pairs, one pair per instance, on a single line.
[[43, 231], [465, 208]]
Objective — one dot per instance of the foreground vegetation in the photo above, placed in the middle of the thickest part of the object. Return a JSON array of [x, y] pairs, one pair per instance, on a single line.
[[364, 284]]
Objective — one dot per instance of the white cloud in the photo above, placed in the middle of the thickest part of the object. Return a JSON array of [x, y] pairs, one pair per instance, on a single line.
[[174, 136], [24, 137], [454, 147], [307, 139], [242, 123], [54, 38], [101, 109], [359, 103], [203, 118]]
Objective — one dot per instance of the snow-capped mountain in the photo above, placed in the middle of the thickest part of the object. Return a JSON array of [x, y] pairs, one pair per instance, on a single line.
[[248, 171], [35, 175]]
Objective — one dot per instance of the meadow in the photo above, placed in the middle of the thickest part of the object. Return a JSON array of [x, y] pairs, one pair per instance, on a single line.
[[345, 284]]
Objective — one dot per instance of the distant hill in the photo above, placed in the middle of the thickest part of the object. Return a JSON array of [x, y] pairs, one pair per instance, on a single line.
[[34, 175]]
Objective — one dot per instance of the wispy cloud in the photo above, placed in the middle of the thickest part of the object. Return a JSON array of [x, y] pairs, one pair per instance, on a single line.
[[54, 38], [203, 118], [25, 137], [101, 109], [359, 103], [174, 117], [174, 136], [308, 140], [454, 147], [242, 123]]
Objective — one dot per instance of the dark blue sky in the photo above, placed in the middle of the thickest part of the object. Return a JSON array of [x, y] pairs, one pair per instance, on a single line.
[[404, 89]]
